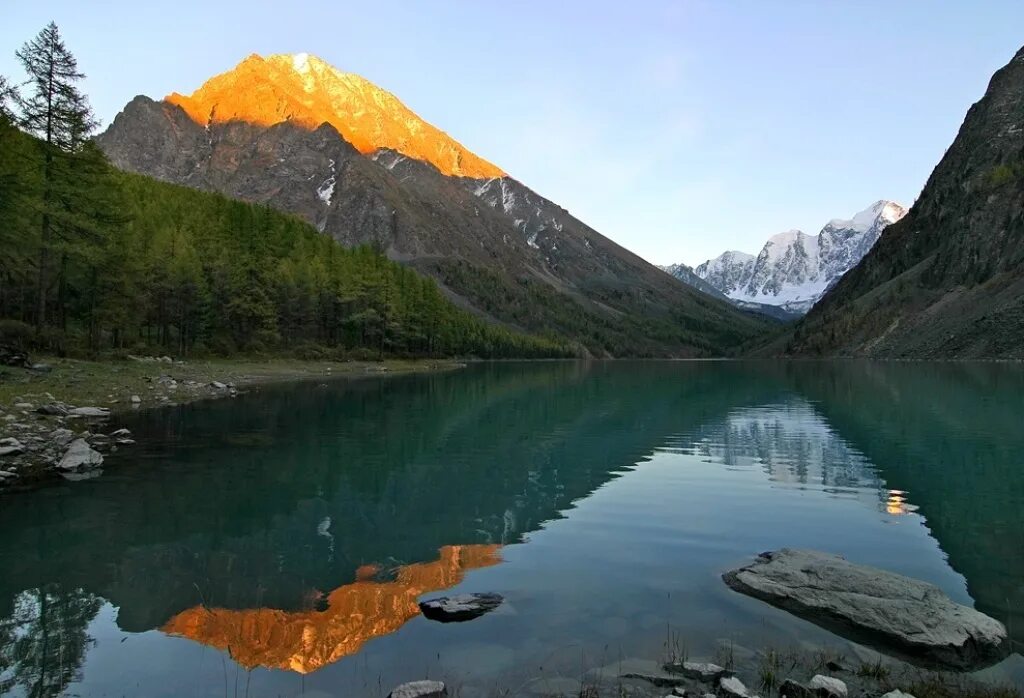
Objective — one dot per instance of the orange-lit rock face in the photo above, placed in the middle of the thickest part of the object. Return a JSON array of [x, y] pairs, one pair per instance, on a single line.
[[305, 641], [307, 91]]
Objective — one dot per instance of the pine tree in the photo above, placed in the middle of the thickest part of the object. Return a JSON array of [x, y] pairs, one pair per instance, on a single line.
[[8, 96], [59, 115]]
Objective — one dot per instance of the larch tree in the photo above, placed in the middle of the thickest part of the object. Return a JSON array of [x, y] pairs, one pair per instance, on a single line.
[[58, 113]]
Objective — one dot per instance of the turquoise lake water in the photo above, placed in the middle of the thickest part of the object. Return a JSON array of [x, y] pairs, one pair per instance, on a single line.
[[276, 544]]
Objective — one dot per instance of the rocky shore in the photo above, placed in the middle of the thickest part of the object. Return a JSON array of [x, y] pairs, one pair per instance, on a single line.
[[55, 414]]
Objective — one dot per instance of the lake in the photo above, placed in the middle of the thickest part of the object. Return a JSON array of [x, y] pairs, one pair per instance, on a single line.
[[277, 543]]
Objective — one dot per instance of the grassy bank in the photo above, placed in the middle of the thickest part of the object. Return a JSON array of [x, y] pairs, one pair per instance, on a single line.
[[137, 384]]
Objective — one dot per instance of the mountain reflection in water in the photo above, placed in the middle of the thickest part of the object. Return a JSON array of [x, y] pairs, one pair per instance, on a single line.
[[616, 493], [304, 641]]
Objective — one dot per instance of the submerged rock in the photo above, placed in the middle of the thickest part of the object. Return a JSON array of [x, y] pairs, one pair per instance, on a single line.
[[455, 609], [80, 456], [911, 617], [662, 680], [420, 689], [701, 671]]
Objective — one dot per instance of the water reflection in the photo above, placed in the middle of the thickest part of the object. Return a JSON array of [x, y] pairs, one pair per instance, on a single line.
[[231, 513], [355, 613], [44, 639]]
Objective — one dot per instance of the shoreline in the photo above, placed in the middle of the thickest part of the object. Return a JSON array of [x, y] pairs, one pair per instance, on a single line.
[[38, 406]]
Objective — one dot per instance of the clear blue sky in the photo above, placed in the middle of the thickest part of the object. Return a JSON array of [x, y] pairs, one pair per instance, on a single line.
[[679, 129]]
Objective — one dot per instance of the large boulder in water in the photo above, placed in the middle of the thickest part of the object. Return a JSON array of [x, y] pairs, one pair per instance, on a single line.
[[455, 609], [913, 618]]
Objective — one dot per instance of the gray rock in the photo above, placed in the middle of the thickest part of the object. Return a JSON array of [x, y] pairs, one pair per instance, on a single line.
[[731, 686], [23, 405], [455, 609], [218, 385], [11, 450], [701, 671], [6, 475], [119, 433], [80, 456], [420, 689], [827, 687], [136, 399], [897, 693], [53, 410], [41, 368], [906, 615], [89, 412]]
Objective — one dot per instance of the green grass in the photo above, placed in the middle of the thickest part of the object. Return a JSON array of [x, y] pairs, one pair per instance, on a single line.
[[112, 383]]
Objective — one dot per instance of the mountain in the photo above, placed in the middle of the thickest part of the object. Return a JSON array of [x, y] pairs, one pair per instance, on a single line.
[[350, 158], [793, 269], [686, 274], [946, 281]]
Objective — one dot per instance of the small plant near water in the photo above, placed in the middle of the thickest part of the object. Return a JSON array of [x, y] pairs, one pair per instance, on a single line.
[[675, 647], [769, 673], [874, 670]]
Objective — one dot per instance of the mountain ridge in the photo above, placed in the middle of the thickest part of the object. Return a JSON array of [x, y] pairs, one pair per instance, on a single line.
[[309, 91], [793, 270], [495, 246], [946, 281]]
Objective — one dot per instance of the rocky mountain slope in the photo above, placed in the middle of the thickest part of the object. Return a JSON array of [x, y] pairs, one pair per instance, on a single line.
[[948, 279], [794, 270], [278, 130]]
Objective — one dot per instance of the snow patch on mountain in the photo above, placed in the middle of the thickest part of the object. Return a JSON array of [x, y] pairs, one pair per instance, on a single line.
[[794, 270]]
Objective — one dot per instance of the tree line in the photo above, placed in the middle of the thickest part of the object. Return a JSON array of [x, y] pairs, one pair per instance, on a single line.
[[95, 260]]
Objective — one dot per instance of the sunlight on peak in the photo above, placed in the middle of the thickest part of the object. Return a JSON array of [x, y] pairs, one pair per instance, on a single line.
[[300, 61]]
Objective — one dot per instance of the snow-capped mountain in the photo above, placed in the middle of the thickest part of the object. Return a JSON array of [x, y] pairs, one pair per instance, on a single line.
[[794, 269]]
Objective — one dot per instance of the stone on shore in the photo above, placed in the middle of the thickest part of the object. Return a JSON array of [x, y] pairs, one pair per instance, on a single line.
[[61, 436], [731, 686], [897, 693], [908, 616], [80, 456], [827, 687], [455, 609], [89, 412], [420, 689]]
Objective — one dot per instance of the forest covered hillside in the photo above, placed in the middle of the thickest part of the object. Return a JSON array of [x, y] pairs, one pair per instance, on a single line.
[[93, 259]]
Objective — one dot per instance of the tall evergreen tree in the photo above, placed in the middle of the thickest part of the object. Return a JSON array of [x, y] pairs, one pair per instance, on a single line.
[[8, 96], [59, 114]]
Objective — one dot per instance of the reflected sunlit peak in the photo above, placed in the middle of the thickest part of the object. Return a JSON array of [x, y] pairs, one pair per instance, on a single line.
[[304, 641]]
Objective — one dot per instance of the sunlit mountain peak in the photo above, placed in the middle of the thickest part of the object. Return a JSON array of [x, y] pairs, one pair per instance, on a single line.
[[307, 91]]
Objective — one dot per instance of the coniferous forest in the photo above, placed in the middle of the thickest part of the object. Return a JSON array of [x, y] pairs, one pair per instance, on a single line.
[[96, 261]]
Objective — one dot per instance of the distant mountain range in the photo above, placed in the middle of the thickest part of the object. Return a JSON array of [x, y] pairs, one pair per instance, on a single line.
[[348, 156], [793, 270], [948, 279]]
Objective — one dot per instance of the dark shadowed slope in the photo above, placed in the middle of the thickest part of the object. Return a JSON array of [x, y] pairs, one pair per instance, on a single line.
[[948, 279]]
